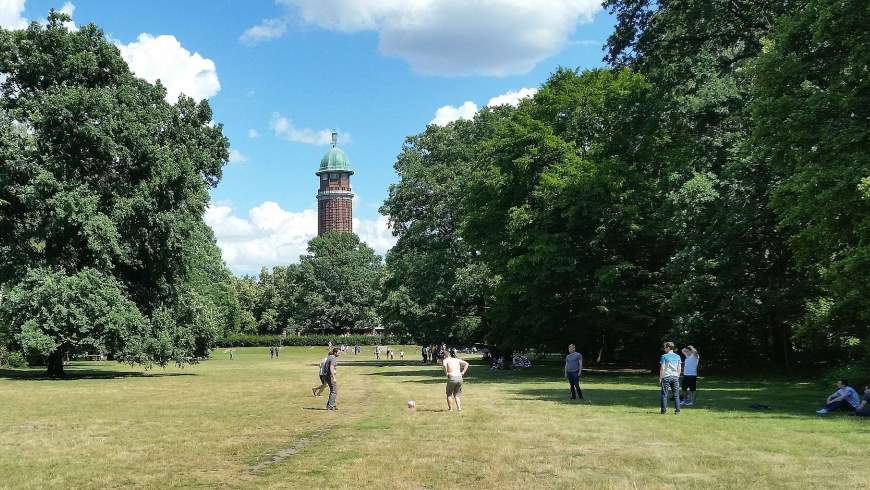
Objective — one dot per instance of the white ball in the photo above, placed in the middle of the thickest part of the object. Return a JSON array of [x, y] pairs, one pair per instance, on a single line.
[[411, 404]]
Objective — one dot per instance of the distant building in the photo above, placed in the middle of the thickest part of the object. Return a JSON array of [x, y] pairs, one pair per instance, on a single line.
[[334, 199]]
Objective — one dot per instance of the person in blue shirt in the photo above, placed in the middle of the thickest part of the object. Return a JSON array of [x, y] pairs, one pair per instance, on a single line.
[[845, 398], [573, 366], [669, 376]]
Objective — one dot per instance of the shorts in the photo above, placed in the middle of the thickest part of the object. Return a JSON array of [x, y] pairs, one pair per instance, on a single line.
[[690, 383], [324, 379], [454, 387]]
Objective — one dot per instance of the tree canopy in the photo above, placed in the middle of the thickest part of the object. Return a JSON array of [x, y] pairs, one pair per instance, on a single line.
[[99, 173]]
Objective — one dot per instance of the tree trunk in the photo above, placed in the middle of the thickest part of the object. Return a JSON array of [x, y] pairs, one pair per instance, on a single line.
[[55, 363]]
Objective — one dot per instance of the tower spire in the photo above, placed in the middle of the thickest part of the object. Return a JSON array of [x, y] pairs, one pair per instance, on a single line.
[[334, 138]]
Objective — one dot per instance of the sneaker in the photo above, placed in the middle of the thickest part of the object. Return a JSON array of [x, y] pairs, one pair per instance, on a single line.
[[314, 391], [822, 411], [676, 412], [664, 412]]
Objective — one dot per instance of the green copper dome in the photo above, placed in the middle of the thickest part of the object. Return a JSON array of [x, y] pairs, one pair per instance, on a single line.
[[334, 160]]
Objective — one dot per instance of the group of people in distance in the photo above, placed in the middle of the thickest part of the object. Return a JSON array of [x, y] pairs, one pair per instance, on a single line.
[[390, 353], [671, 368]]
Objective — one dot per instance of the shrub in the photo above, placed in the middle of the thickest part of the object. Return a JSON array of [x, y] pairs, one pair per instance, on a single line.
[[16, 360], [244, 340]]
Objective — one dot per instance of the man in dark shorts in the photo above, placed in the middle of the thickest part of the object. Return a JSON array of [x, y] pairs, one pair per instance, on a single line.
[[455, 369], [329, 368]]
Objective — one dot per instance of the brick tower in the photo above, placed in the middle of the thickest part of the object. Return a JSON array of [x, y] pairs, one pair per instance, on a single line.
[[334, 199]]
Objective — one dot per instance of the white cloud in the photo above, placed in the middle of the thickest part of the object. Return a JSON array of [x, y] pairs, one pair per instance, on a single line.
[[11, 14], [267, 29], [253, 134], [450, 37], [69, 9], [164, 58], [284, 128], [512, 98], [376, 233], [272, 236], [448, 113], [237, 157]]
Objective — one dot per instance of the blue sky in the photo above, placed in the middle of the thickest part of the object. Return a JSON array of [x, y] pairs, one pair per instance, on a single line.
[[375, 70]]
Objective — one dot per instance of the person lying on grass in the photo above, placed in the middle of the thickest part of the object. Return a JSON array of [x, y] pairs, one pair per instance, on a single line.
[[845, 398]]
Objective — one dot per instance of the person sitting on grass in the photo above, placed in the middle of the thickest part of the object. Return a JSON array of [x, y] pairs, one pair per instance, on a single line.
[[845, 398], [863, 409]]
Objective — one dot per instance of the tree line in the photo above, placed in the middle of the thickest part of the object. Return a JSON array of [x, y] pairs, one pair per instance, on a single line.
[[711, 185]]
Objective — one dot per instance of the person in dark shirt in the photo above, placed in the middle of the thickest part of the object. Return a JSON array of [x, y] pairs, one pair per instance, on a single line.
[[863, 410], [573, 366], [329, 368]]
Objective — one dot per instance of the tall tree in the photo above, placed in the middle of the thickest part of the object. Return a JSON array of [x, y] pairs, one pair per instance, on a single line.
[[557, 208], [436, 289], [730, 280], [339, 285], [812, 125], [98, 170]]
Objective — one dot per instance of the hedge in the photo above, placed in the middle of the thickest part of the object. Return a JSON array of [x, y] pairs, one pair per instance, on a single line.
[[243, 340]]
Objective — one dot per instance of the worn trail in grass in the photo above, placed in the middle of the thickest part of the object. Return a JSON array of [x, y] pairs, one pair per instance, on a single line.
[[252, 422]]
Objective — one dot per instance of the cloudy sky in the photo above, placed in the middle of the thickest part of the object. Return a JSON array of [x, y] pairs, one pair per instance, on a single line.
[[281, 74]]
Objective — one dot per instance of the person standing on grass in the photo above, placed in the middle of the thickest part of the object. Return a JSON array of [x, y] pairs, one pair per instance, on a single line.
[[690, 374], [330, 367], [424, 351], [863, 409], [669, 377], [573, 366], [845, 398], [378, 352], [318, 390], [455, 369]]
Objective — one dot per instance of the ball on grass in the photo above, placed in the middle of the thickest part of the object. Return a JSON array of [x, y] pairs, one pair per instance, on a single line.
[[411, 404]]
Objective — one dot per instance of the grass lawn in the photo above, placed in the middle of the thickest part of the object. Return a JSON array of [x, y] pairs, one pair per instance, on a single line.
[[252, 422]]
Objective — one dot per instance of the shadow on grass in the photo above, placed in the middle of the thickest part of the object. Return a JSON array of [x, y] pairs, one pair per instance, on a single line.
[[74, 373], [637, 389]]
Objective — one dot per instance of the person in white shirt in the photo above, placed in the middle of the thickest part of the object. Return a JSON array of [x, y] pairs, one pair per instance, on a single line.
[[690, 374]]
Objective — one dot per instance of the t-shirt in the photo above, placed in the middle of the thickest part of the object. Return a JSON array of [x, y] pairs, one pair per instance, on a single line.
[[691, 366], [671, 362], [327, 365], [851, 396], [572, 362], [323, 363]]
